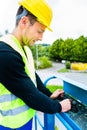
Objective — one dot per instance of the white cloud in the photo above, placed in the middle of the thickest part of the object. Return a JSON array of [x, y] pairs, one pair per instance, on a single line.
[[69, 18], [7, 14]]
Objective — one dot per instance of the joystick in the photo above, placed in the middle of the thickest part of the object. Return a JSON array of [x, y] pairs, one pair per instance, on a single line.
[[74, 103]]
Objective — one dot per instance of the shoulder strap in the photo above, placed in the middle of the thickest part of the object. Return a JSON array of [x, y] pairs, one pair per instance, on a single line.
[[14, 43]]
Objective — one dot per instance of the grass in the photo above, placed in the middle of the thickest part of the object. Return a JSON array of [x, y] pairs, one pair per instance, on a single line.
[[63, 70], [52, 88]]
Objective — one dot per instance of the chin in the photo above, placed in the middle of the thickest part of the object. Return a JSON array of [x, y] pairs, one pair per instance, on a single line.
[[31, 44]]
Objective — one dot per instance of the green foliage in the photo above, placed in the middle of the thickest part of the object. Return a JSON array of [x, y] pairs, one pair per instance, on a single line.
[[44, 63], [54, 50], [80, 49], [40, 54], [69, 49], [68, 65], [40, 50], [66, 49]]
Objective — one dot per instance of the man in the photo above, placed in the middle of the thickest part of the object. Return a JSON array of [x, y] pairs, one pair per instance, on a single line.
[[21, 90]]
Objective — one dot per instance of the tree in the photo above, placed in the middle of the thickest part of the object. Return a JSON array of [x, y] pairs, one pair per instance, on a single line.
[[54, 50], [66, 49], [41, 49], [80, 49]]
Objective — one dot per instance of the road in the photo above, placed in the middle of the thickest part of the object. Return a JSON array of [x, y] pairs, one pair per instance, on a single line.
[[53, 71], [49, 72]]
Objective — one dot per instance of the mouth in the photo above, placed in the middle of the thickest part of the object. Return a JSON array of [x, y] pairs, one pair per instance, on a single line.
[[32, 42]]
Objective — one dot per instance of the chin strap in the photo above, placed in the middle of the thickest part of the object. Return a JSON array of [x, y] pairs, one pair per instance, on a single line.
[[24, 13]]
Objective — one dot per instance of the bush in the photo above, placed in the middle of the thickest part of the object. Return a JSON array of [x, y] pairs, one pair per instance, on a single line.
[[68, 65], [44, 63]]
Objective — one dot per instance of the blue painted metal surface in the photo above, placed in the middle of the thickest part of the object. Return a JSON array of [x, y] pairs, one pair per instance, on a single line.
[[71, 123], [46, 81], [49, 120], [76, 92], [65, 123]]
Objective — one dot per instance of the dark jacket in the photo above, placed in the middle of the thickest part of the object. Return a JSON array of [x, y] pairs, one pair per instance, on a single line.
[[14, 78]]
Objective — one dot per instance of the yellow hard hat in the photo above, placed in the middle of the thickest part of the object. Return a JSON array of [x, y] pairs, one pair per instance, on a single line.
[[40, 9]]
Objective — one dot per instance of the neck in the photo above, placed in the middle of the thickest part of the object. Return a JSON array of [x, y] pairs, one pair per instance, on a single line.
[[17, 34]]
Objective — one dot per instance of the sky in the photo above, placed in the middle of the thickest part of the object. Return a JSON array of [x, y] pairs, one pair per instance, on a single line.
[[69, 18]]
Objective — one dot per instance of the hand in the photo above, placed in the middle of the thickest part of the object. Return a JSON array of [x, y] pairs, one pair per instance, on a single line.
[[57, 93], [66, 105]]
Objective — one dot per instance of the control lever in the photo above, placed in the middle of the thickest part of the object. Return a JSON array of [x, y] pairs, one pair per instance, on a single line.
[[74, 104]]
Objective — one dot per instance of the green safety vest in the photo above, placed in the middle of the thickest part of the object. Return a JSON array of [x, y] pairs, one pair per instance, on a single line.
[[14, 113]]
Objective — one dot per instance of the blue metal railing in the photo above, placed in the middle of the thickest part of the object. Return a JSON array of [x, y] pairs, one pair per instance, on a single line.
[[49, 122], [49, 119]]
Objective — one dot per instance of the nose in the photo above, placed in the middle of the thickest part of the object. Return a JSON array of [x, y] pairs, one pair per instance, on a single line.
[[40, 36]]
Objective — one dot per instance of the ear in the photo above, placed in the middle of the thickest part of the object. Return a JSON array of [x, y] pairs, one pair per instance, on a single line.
[[24, 21]]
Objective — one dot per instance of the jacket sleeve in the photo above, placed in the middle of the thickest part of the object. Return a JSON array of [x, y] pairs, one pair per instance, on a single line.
[[14, 78], [41, 86]]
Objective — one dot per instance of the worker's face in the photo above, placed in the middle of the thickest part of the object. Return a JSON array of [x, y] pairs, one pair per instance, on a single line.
[[32, 33]]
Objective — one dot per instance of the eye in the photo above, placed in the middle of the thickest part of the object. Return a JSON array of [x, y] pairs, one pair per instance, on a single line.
[[40, 31]]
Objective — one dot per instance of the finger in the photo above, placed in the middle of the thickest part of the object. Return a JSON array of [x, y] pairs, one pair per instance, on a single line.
[[61, 92]]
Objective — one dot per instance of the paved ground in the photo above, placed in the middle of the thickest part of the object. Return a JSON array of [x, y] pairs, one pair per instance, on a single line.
[[74, 75], [49, 72]]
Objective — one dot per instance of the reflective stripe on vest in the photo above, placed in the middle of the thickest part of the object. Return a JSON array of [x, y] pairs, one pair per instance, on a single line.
[[14, 113], [7, 98]]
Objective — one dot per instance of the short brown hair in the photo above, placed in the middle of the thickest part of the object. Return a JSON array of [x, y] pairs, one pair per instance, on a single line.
[[19, 15]]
